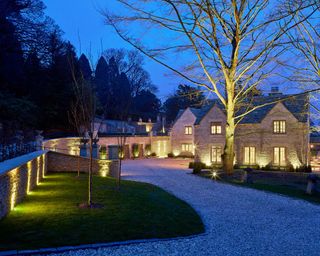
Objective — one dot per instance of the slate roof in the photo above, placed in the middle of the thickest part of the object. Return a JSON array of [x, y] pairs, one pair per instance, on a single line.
[[298, 106]]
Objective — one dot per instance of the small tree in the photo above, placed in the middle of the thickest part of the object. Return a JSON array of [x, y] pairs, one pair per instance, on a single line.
[[82, 115], [121, 138]]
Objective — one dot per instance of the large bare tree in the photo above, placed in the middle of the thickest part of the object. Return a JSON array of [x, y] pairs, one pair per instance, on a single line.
[[230, 47], [305, 39]]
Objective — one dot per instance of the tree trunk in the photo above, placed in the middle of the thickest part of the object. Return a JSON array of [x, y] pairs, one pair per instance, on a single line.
[[119, 173], [90, 175], [228, 154], [79, 165]]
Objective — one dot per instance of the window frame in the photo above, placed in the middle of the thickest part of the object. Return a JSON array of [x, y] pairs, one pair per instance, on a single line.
[[279, 156], [278, 130], [187, 147], [217, 157], [188, 130], [215, 125], [252, 151]]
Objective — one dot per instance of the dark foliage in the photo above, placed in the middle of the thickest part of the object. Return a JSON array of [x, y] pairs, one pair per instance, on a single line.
[[185, 96]]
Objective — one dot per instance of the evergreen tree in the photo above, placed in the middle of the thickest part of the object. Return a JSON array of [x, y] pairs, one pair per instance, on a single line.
[[185, 96], [146, 105], [85, 67]]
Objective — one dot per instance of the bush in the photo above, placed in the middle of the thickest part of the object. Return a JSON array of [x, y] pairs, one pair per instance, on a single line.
[[304, 168], [186, 155], [170, 155], [191, 165], [153, 154], [103, 152], [197, 167], [147, 149], [290, 168], [135, 150], [236, 166]]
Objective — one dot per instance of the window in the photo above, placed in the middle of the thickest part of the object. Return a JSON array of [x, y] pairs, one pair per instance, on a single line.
[[216, 128], [279, 127], [187, 148], [279, 156], [216, 153], [188, 130], [249, 155]]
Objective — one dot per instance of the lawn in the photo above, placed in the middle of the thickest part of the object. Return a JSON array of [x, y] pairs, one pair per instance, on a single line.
[[50, 216], [292, 187]]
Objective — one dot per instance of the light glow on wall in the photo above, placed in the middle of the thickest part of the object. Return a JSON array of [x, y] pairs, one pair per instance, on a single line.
[[43, 165], [38, 170], [13, 192], [29, 169], [104, 168], [176, 152]]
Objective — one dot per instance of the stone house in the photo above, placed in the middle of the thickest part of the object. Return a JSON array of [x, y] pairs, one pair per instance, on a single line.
[[276, 134]]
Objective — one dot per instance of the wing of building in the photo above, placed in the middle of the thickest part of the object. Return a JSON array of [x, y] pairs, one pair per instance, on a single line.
[[276, 134]]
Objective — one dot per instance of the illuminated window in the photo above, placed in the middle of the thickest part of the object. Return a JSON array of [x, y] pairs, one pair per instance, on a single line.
[[187, 147], [279, 156], [216, 153], [249, 155], [216, 128], [188, 130], [279, 127]]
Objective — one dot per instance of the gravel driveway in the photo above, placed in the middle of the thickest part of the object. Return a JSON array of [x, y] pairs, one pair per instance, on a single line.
[[239, 221]]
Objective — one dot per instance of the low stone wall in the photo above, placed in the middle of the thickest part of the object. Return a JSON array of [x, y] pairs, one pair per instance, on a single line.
[[18, 177], [59, 162]]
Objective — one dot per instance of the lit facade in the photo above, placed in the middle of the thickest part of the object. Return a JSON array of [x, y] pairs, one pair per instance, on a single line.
[[276, 135]]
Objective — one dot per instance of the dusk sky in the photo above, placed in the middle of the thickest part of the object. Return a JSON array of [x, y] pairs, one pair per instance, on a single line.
[[82, 22]]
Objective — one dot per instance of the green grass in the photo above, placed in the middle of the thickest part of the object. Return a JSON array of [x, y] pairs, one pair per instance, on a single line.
[[290, 190], [50, 216]]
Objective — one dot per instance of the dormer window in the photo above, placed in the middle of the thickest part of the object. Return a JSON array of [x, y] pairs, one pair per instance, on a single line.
[[188, 130], [279, 127], [216, 128]]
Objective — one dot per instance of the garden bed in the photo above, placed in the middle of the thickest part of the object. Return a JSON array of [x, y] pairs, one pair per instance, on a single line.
[[50, 215]]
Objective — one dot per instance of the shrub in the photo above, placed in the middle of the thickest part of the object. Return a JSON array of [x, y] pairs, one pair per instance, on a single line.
[[153, 154], [304, 168], [197, 167], [191, 165], [135, 150], [290, 168], [103, 152], [147, 149], [170, 155]]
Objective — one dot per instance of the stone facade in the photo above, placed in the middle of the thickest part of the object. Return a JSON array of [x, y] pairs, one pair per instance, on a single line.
[[58, 162], [18, 177], [187, 119], [259, 135]]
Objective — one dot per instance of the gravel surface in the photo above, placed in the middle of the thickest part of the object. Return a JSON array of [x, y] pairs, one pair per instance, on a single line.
[[239, 221]]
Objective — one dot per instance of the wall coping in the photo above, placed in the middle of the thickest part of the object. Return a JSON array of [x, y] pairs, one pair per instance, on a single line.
[[14, 163], [76, 156]]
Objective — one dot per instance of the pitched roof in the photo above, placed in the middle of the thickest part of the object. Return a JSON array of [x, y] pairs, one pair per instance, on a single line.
[[298, 106]]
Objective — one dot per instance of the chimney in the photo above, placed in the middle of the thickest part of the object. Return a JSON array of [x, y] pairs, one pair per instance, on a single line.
[[275, 91]]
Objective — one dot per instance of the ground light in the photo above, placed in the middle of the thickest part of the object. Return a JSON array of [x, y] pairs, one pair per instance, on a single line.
[[214, 175]]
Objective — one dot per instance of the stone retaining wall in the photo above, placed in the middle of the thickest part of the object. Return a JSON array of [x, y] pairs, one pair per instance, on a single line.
[[18, 177], [59, 162]]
